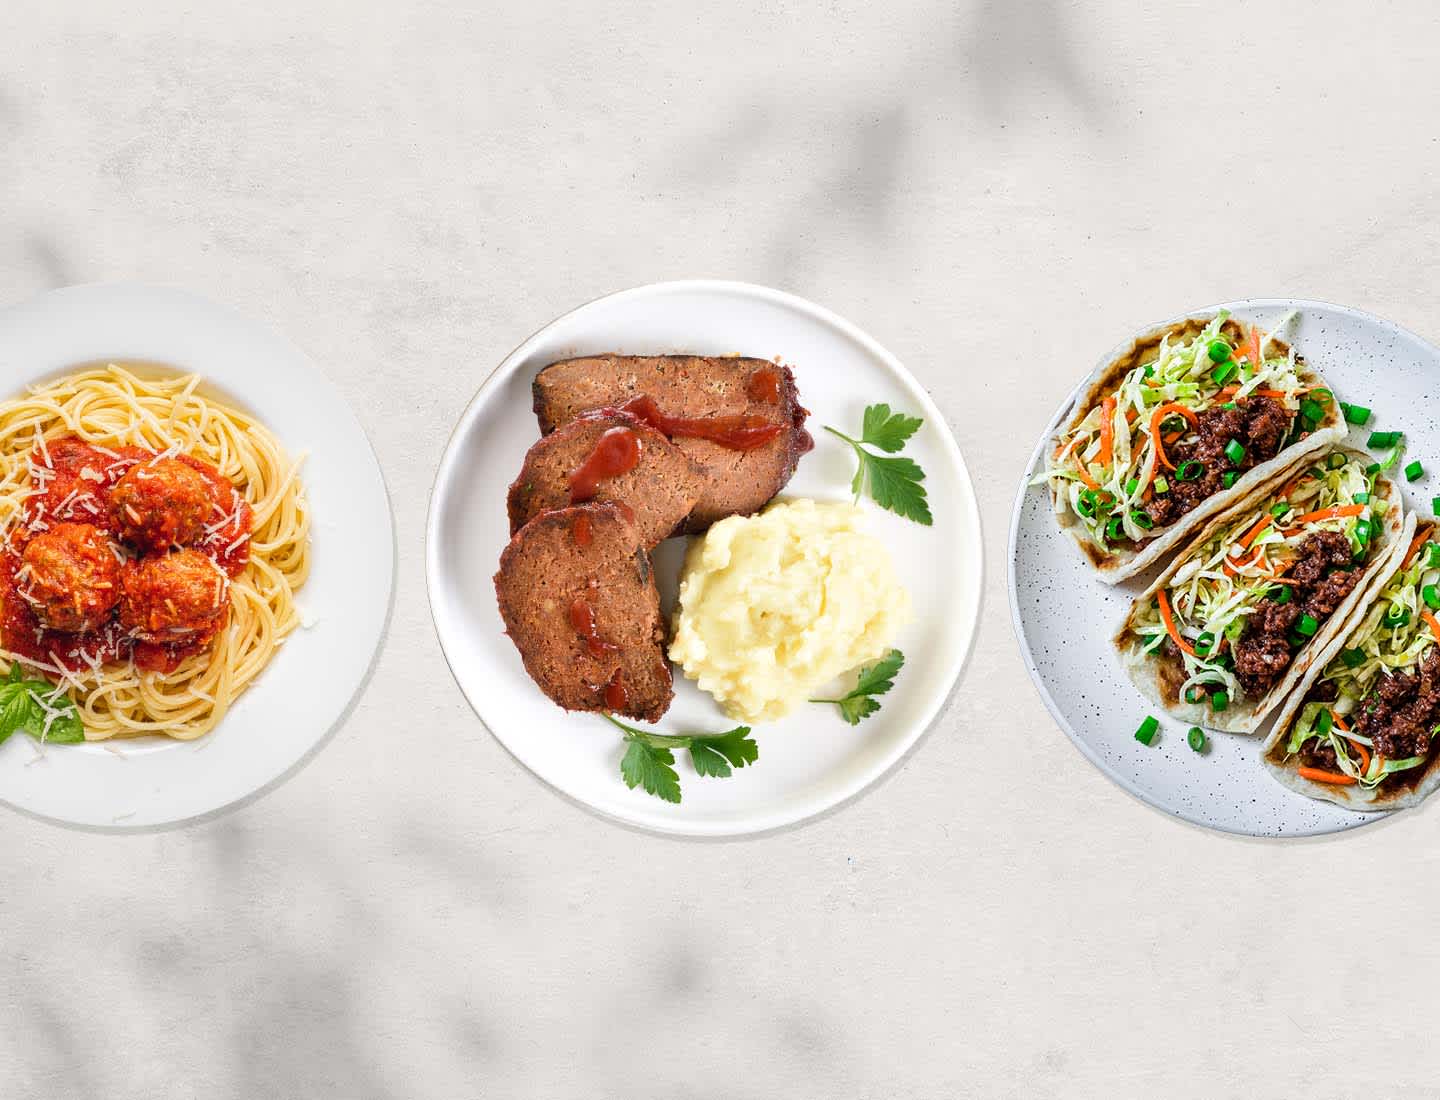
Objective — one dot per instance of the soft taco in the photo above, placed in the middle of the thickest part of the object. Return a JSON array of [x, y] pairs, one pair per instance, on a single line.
[[1186, 421], [1363, 728], [1234, 622]]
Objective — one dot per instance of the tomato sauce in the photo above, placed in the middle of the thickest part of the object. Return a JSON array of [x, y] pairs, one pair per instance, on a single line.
[[616, 452], [741, 432], [616, 697], [71, 483], [765, 385], [583, 531], [582, 618]]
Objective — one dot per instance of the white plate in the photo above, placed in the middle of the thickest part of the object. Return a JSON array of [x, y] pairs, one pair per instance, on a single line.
[[1064, 618], [311, 681], [811, 760]]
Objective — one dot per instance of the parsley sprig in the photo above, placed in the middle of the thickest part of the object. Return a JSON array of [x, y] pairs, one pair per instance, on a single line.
[[21, 709], [874, 680], [894, 482], [649, 759]]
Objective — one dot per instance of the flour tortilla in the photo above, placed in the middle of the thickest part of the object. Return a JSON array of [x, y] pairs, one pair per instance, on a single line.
[[1119, 563], [1356, 797], [1160, 676]]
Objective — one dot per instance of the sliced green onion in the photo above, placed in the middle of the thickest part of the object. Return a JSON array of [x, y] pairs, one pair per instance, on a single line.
[[1219, 701], [1141, 519], [1229, 405], [1189, 470], [1353, 658], [1205, 644], [1224, 372], [1431, 596], [1280, 593], [1374, 468], [1219, 351], [1358, 415], [1196, 738], [1414, 472], [1396, 617], [1279, 510], [1434, 562], [1150, 372], [1325, 723], [1307, 625], [1336, 460], [1230, 477], [1131, 486], [1115, 528], [1435, 505], [1311, 410], [1363, 530], [1380, 440], [1193, 695], [1322, 397], [1148, 728], [1235, 452], [1161, 485], [1362, 498]]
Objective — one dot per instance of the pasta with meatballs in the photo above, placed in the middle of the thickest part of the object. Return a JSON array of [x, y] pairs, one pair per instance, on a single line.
[[152, 541]]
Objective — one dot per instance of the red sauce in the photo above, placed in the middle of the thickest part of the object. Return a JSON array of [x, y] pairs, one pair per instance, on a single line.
[[616, 452], [78, 492], [582, 618], [765, 385], [583, 530], [742, 432], [616, 697]]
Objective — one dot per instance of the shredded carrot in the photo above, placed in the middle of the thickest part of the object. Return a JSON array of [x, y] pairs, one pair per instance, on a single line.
[[1254, 532], [1339, 722], [1339, 511], [1130, 415], [1089, 481], [1107, 431], [1364, 757], [1319, 775], [1420, 540], [1155, 418], [1169, 621], [1432, 623]]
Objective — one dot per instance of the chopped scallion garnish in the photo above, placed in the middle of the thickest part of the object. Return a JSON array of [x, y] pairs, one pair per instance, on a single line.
[[1235, 452], [1414, 472], [1148, 728], [1196, 738], [1358, 415], [1378, 441], [1307, 625], [1353, 658]]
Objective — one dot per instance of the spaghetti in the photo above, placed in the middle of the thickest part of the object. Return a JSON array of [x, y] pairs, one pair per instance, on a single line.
[[64, 447]]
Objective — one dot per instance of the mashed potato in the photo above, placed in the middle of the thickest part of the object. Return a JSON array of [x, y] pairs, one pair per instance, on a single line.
[[776, 605]]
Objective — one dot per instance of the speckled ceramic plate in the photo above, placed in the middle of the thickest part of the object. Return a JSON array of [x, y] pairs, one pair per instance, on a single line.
[[1064, 618]]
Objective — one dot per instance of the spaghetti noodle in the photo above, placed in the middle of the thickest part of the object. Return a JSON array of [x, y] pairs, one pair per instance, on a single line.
[[258, 542]]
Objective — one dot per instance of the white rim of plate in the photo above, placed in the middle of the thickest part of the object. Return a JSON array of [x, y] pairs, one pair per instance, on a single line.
[[653, 821], [1361, 818]]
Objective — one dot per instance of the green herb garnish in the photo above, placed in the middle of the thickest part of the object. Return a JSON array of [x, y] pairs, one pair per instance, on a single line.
[[21, 709], [894, 481], [874, 680], [649, 761]]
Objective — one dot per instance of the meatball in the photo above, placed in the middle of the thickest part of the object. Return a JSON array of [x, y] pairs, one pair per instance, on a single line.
[[161, 504], [173, 597], [70, 577]]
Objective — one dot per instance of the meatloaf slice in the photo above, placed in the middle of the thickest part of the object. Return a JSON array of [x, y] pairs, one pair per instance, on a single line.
[[579, 602], [660, 490], [737, 482]]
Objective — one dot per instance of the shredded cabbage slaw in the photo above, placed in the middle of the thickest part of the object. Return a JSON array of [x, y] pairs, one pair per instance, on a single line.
[[1221, 583], [1385, 650], [1106, 466]]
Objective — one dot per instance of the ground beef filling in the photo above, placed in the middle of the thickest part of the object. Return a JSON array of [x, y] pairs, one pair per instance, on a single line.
[[1324, 574], [1259, 424], [1403, 711]]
